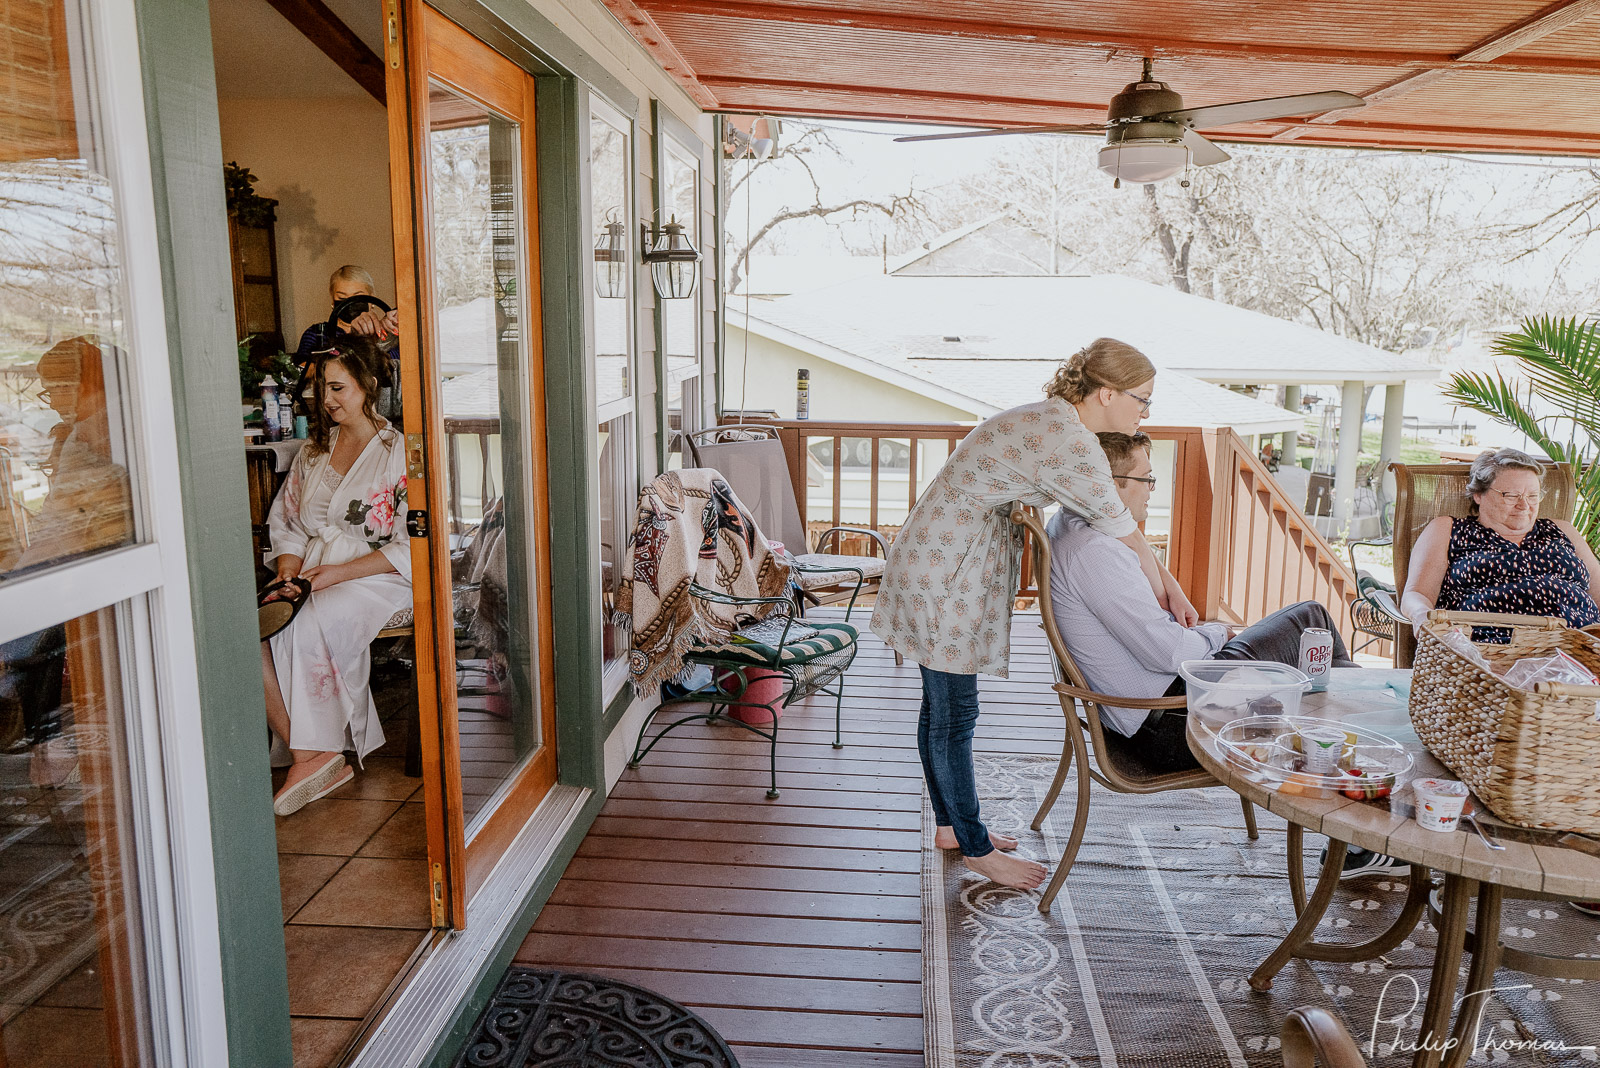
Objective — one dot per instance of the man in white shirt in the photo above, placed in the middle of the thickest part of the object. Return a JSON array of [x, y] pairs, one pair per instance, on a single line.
[[1125, 643]]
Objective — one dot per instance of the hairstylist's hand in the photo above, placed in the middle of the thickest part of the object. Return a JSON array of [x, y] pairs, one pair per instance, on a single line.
[[324, 575], [372, 324]]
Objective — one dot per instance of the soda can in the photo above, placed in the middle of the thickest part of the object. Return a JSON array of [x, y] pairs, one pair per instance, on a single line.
[[1316, 655]]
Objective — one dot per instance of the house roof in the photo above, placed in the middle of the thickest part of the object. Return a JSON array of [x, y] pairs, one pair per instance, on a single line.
[[1499, 75], [986, 386], [1011, 318]]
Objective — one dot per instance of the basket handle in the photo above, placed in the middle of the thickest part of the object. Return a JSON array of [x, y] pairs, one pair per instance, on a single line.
[[1495, 619], [1566, 689]]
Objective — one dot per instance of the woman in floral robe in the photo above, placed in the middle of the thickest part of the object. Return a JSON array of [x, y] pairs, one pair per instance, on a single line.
[[338, 523], [945, 600]]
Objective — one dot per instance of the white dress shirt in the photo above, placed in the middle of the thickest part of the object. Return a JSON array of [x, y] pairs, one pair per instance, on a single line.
[[1125, 643]]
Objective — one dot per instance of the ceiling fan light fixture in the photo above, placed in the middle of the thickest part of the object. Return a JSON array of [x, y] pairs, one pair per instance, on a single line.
[[1144, 161]]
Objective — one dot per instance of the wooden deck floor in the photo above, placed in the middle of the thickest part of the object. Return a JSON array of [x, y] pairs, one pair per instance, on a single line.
[[793, 926]]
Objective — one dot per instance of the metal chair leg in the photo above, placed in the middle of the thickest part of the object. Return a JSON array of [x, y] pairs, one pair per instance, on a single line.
[[1060, 780], [1080, 823], [1249, 819]]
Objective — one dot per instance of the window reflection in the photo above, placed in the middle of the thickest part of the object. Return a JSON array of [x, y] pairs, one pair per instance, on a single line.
[[681, 318], [608, 175]]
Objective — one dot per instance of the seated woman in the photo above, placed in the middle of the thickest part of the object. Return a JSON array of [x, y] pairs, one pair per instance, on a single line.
[[1502, 557], [338, 524]]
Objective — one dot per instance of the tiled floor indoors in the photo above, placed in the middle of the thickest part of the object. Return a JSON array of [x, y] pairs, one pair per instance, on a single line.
[[353, 871]]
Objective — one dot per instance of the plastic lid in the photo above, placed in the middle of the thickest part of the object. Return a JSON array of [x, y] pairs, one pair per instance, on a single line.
[[1254, 676]]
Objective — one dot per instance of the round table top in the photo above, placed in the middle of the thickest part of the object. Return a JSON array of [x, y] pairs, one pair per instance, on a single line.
[[1391, 828]]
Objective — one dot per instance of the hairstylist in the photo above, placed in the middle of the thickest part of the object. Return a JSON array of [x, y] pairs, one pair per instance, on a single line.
[[946, 596]]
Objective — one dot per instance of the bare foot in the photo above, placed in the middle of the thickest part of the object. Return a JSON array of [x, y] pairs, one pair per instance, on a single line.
[[1009, 870], [945, 838]]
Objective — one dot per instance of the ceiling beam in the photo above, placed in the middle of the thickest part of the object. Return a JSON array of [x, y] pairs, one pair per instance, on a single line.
[[1095, 112], [1102, 45], [638, 22], [1509, 39], [317, 22]]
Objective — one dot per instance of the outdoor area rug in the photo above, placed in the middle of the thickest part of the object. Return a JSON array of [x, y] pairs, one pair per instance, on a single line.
[[1145, 955], [546, 1019]]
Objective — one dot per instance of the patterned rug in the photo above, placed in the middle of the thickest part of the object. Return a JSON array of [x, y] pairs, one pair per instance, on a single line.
[[541, 1019], [1144, 957]]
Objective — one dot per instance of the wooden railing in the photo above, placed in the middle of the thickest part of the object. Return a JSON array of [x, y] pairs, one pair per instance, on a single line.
[[1237, 544]]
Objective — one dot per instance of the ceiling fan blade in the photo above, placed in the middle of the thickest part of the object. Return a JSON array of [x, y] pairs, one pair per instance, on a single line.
[[1277, 107], [1202, 152], [1097, 127]]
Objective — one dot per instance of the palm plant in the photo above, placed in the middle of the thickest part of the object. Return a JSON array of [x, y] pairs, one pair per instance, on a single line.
[[1560, 358]]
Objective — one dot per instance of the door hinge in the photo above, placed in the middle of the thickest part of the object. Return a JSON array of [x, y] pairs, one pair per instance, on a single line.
[[416, 458], [391, 36], [437, 897], [417, 523]]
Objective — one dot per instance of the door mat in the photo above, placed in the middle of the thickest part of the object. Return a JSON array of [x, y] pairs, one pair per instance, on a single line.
[[565, 1020], [1144, 957]]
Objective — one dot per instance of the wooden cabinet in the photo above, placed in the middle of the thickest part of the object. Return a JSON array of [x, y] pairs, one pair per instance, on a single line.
[[254, 251]]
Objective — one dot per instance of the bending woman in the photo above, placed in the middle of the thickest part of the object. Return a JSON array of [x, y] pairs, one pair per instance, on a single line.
[[945, 601], [337, 523], [1502, 557]]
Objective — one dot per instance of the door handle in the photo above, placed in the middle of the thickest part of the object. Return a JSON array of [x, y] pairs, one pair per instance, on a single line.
[[417, 523]]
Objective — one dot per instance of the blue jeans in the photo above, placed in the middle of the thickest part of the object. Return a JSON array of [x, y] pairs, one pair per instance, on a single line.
[[944, 741]]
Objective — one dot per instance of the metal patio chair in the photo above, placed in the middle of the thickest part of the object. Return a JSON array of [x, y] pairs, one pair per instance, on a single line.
[[1118, 765]]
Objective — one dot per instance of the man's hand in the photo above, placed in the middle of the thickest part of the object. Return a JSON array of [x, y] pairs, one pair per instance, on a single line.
[[324, 575], [1180, 607]]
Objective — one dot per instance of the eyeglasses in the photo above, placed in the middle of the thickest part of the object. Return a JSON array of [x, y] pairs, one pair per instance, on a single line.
[[1530, 499], [1151, 482], [1144, 402]]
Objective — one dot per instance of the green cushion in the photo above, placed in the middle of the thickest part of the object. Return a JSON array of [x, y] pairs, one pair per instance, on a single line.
[[829, 638]]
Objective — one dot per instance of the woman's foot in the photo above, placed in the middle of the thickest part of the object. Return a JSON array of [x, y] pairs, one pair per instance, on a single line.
[[1591, 907], [945, 838], [1008, 870], [316, 776]]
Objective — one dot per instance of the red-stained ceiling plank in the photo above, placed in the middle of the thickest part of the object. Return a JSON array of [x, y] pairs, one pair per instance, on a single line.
[[726, 85], [644, 29], [317, 22], [1103, 45], [1546, 22]]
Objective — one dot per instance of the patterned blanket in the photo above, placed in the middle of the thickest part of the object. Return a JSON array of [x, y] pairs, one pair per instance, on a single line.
[[690, 528]]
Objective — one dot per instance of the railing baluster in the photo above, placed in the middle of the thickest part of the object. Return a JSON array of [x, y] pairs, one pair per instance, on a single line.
[[838, 481], [877, 459]]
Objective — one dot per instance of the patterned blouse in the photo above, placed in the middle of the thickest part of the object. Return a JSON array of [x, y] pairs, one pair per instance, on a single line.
[[1544, 576], [945, 601]]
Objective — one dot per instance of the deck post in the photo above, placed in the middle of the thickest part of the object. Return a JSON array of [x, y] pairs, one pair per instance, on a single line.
[[1394, 405], [1344, 471], [1291, 438]]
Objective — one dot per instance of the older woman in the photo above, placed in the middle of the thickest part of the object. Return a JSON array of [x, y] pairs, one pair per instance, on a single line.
[[945, 602], [1502, 557], [339, 524]]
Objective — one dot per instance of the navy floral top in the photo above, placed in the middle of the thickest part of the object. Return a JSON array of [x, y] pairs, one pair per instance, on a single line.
[[1544, 576]]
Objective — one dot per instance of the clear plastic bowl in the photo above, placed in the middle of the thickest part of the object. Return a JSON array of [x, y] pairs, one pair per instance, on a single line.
[[1266, 750], [1224, 690]]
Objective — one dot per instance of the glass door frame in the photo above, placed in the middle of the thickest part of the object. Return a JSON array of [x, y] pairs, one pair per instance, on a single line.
[[148, 584], [437, 50]]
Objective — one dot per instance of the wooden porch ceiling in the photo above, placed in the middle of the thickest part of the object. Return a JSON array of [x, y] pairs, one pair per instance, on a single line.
[[1494, 75]]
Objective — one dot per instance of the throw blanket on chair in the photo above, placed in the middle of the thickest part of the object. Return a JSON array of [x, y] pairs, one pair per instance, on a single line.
[[690, 528]]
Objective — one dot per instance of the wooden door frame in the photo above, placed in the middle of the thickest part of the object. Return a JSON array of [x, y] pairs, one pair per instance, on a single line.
[[436, 48]]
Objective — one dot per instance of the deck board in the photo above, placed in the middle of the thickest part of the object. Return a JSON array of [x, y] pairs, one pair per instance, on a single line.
[[792, 925]]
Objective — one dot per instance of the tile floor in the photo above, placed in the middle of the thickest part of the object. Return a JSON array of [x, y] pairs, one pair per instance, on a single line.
[[352, 868]]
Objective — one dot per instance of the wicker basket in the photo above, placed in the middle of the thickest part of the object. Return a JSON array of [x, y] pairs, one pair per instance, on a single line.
[[1532, 756]]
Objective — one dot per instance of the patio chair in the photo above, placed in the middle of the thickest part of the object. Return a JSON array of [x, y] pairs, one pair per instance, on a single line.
[[751, 458], [1311, 1035], [1423, 492], [1118, 764], [805, 656]]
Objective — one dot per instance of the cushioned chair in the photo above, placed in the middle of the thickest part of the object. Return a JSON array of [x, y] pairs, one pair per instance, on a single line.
[[1118, 765], [806, 656], [1422, 492]]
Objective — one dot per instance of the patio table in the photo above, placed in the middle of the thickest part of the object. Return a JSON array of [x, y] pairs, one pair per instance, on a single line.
[[1532, 865]]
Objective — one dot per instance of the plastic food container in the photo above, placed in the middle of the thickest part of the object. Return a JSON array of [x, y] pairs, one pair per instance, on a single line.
[[1224, 690], [1267, 750], [1439, 803]]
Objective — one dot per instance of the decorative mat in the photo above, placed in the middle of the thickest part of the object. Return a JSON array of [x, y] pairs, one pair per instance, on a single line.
[[1144, 958], [565, 1020]]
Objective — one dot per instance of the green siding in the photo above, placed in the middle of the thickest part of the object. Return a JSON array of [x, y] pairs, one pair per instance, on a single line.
[[186, 164]]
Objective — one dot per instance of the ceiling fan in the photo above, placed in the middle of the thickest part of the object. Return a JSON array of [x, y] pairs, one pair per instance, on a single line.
[[1150, 135]]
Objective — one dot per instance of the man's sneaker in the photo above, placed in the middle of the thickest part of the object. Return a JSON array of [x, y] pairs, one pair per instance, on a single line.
[[1591, 907], [1359, 862]]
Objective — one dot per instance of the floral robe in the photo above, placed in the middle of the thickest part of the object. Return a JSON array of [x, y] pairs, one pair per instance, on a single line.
[[322, 658], [947, 591]]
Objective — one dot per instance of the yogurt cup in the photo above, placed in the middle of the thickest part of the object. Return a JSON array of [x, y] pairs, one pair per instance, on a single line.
[[1322, 747], [1439, 803]]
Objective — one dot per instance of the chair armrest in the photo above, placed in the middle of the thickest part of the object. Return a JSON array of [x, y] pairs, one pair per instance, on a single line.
[[1311, 1035], [833, 532], [1120, 702], [706, 593]]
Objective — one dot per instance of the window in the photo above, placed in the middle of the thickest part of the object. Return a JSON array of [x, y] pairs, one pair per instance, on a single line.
[[612, 229], [99, 711], [681, 320]]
